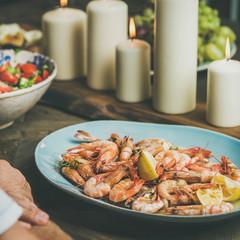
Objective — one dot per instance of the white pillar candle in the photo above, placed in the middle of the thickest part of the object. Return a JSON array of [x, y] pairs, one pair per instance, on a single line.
[[65, 34], [133, 69], [223, 93], [107, 26], [175, 56]]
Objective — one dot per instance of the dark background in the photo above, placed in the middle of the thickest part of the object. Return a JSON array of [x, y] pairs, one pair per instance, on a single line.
[[27, 10]]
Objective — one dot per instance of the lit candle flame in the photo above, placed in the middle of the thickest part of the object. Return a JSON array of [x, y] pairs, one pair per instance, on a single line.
[[227, 51], [132, 28], [63, 3]]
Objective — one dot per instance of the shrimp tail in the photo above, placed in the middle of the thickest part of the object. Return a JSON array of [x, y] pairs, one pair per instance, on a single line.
[[73, 176], [81, 135]]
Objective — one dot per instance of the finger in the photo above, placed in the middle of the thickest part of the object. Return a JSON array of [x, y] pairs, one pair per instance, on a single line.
[[28, 191], [35, 217], [22, 200], [31, 213], [3, 161], [25, 225]]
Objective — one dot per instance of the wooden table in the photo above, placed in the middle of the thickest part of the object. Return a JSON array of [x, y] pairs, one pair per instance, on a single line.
[[78, 218]]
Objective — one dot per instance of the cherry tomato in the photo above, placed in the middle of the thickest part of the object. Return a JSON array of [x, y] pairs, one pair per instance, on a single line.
[[4, 87], [5, 66], [28, 69], [19, 65], [45, 74], [37, 79], [7, 76]]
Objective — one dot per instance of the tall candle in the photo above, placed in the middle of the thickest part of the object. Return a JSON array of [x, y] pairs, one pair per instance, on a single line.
[[107, 26], [133, 69], [65, 34], [223, 98], [175, 56]]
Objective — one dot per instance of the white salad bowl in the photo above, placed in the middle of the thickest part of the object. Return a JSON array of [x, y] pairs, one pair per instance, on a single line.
[[14, 104]]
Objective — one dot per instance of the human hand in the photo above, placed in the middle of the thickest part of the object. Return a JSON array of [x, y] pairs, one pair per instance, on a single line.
[[31, 213], [12, 180]]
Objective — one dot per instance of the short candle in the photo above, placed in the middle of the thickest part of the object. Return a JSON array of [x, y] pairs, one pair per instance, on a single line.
[[65, 34], [223, 87], [133, 69]]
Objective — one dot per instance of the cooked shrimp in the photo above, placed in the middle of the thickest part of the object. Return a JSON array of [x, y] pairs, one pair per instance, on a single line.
[[206, 163], [85, 136], [183, 162], [116, 139], [195, 167], [112, 166], [69, 157], [154, 145], [106, 151], [203, 165], [125, 189], [196, 186], [84, 168], [184, 188], [190, 176], [200, 209], [127, 149], [148, 203], [73, 175], [150, 141], [230, 169], [196, 152], [173, 192], [166, 160], [100, 185]]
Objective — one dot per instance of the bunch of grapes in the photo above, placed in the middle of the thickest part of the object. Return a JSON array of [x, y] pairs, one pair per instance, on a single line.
[[211, 35], [144, 24]]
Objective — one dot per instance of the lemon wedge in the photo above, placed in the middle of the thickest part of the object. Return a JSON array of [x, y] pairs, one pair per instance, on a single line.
[[146, 166], [210, 196], [230, 188]]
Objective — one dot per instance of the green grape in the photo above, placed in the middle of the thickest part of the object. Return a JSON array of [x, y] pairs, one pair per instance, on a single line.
[[148, 12], [202, 4], [212, 52], [216, 21], [201, 50], [207, 10], [200, 59], [220, 42], [138, 20], [210, 17], [226, 31], [202, 18], [213, 38], [200, 42], [215, 12], [204, 25]]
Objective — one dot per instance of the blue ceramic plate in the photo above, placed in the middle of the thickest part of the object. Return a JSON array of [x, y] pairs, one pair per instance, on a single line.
[[49, 150]]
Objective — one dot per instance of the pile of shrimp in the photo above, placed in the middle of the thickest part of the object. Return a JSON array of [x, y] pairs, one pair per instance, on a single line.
[[107, 169]]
